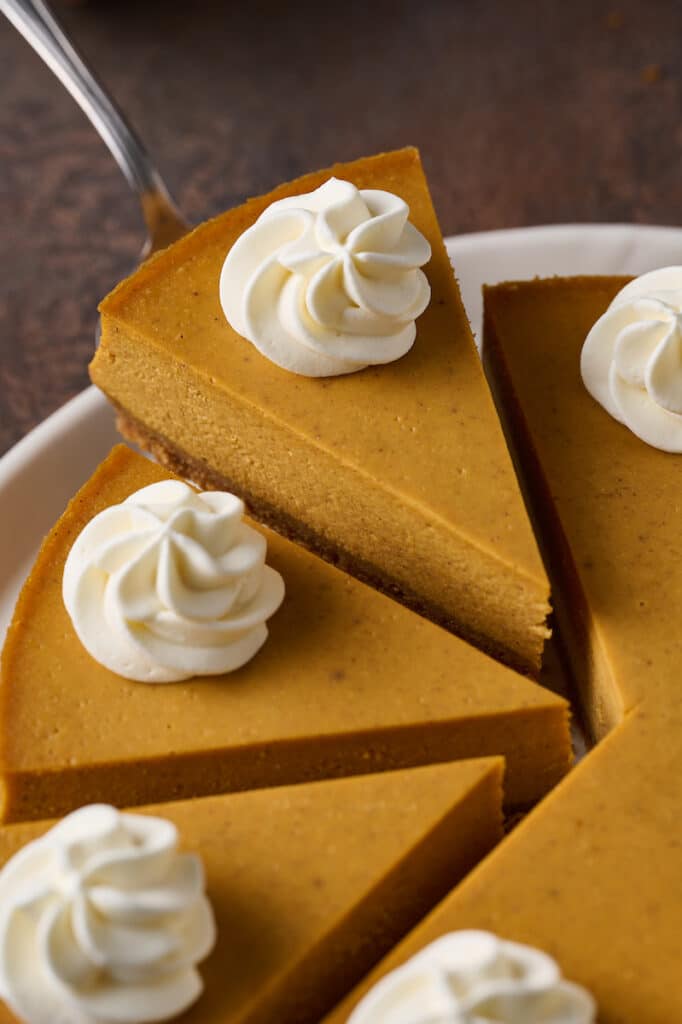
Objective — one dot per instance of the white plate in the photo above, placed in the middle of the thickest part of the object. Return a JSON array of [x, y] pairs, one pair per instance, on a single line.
[[43, 471]]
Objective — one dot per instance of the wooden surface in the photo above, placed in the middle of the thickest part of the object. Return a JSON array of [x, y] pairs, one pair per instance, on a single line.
[[526, 113]]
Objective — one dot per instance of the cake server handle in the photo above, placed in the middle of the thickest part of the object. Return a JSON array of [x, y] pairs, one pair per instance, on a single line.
[[38, 25]]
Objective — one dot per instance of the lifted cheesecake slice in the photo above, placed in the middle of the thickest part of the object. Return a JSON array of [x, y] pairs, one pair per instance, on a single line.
[[398, 472]]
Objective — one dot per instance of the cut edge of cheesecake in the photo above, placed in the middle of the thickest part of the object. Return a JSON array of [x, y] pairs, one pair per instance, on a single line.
[[344, 888], [487, 598]]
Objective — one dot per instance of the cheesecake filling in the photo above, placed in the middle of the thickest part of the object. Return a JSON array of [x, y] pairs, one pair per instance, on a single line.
[[469, 977], [328, 282], [171, 584], [631, 362], [103, 920]]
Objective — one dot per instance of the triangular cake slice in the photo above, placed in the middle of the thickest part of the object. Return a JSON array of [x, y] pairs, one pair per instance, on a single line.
[[606, 503], [593, 874], [311, 884], [580, 876], [607, 508], [347, 682], [399, 472]]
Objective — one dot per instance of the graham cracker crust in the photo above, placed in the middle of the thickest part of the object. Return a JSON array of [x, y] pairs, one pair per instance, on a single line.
[[190, 468]]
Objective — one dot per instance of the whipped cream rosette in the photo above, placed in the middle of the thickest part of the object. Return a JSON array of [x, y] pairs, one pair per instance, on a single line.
[[631, 361], [171, 584], [103, 921], [328, 282], [473, 977]]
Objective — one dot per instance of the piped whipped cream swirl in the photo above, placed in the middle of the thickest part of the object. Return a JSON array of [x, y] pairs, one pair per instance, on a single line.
[[102, 921], [328, 282], [631, 361], [171, 584], [471, 977]]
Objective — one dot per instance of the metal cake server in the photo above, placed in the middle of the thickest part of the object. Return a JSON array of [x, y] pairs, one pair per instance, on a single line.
[[38, 25]]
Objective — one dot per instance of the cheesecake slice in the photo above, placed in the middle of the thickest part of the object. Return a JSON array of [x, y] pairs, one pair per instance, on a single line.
[[399, 473], [311, 884], [606, 504], [592, 876], [347, 682]]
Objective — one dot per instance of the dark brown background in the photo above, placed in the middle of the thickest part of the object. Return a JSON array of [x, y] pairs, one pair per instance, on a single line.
[[526, 112]]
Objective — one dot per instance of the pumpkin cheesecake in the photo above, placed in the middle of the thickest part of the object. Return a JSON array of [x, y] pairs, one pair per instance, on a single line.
[[593, 874], [348, 681], [357, 862], [605, 503], [398, 472]]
